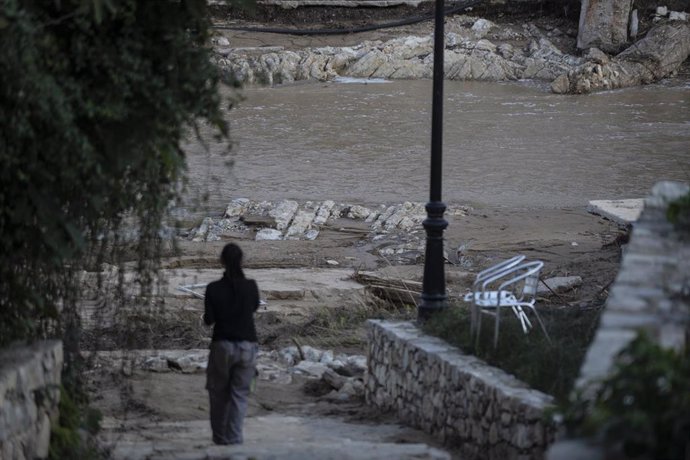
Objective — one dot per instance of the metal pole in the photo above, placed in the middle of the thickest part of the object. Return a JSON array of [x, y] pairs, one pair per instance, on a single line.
[[434, 297]]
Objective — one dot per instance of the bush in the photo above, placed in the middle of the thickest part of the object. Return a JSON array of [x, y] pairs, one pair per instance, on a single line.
[[643, 408], [551, 368], [71, 436], [679, 212]]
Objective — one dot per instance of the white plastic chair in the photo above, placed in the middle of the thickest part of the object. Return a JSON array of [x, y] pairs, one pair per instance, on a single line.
[[517, 289]]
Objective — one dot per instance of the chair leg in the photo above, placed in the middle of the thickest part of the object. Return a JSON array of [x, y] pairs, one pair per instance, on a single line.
[[473, 318], [479, 328], [541, 323], [522, 317], [498, 316]]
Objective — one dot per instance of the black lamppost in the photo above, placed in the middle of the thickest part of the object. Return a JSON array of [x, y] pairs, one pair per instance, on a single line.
[[434, 297]]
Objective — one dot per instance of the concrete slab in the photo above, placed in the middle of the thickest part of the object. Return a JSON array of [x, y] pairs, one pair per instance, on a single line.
[[274, 283], [623, 212]]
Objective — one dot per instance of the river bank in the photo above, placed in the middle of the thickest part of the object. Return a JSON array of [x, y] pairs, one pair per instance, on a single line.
[[503, 48]]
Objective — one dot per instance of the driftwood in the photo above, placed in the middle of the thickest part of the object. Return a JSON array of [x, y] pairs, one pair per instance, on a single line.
[[395, 291], [660, 53]]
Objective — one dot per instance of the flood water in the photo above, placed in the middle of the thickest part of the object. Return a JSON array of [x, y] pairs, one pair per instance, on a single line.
[[512, 144]]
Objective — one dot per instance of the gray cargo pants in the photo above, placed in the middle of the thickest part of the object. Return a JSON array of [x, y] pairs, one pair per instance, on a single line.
[[230, 370]]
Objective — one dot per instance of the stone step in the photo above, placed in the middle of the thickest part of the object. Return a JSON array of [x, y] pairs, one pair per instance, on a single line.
[[267, 437]]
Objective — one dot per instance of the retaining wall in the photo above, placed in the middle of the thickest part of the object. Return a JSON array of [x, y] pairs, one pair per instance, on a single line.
[[651, 293], [651, 290], [433, 386], [29, 396]]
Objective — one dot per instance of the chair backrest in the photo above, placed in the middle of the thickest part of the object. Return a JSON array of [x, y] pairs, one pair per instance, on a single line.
[[526, 274], [497, 269], [529, 289]]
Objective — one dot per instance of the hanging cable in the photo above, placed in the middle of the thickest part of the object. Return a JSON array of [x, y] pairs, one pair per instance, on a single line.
[[351, 30]]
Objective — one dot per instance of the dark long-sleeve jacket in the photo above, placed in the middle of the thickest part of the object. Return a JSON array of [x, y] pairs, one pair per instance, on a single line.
[[230, 305]]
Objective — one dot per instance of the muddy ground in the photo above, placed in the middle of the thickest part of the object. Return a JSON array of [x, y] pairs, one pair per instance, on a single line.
[[569, 241]]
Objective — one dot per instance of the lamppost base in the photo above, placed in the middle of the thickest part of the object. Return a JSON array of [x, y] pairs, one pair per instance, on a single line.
[[430, 307]]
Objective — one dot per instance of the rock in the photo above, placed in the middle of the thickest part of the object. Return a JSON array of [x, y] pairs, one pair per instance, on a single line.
[[657, 55], [334, 379], [301, 222], [358, 212], [156, 364], [355, 366], [222, 41], [604, 24], [401, 58], [677, 16], [269, 234], [485, 45], [312, 354], [324, 212], [561, 85], [283, 213], [236, 207], [272, 373], [332, 262], [311, 234], [506, 50], [661, 11], [352, 388], [202, 233], [559, 284], [310, 369], [190, 364], [289, 355], [225, 52], [326, 357], [596, 55], [481, 27]]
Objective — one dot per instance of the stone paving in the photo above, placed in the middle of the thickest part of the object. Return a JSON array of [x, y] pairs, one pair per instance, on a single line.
[[266, 437]]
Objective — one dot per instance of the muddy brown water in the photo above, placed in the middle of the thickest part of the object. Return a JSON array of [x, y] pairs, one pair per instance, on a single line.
[[505, 144]]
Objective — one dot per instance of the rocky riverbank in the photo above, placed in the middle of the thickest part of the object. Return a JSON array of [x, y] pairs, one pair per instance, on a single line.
[[476, 49]]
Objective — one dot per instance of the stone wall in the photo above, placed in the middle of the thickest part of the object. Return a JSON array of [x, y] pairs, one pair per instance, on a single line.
[[29, 396], [650, 294], [464, 401], [650, 288]]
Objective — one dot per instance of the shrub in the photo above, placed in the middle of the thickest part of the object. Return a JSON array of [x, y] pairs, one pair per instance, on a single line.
[[643, 408], [548, 367]]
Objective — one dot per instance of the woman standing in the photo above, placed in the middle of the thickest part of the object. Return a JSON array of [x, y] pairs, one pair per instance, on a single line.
[[230, 305]]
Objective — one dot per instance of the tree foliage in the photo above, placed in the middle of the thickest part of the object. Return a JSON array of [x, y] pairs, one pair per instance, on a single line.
[[95, 99]]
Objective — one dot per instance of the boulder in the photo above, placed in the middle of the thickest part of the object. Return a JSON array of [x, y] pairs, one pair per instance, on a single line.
[[660, 53], [481, 27], [334, 379], [558, 284], [310, 369]]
